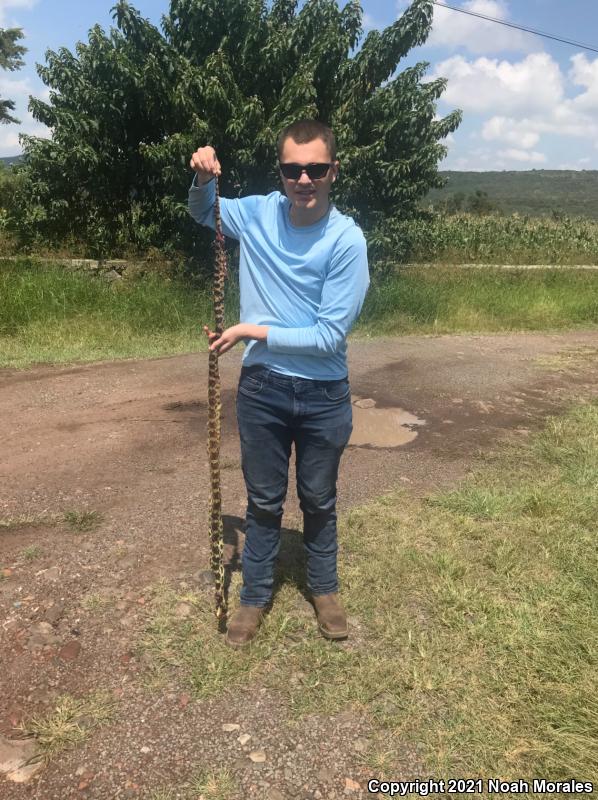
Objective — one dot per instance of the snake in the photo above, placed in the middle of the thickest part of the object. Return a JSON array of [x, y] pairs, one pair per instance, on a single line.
[[216, 528]]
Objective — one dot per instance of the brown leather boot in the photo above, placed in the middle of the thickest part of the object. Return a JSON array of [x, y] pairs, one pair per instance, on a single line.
[[243, 626], [332, 620]]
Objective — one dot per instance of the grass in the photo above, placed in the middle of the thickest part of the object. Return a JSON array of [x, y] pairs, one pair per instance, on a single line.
[[95, 601], [478, 620], [205, 784], [27, 521], [31, 552], [69, 723], [449, 300], [82, 521], [194, 646], [214, 784], [52, 315]]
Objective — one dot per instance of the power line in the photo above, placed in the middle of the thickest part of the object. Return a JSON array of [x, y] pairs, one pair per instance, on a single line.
[[517, 27]]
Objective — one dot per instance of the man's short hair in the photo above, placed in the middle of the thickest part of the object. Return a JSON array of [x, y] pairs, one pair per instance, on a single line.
[[306, 130]]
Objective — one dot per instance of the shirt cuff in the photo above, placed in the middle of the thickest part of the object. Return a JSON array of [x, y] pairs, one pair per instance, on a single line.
[[196, 185]]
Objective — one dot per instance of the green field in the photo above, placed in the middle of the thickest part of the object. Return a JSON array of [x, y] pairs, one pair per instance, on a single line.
[[53, 315], [468, 238], [535, 192]]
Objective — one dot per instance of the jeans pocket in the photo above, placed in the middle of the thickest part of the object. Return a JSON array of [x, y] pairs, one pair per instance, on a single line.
[[337, 390], [251, 385]]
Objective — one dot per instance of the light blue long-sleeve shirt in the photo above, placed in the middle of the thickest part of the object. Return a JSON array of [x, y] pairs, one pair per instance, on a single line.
[[307, 283]]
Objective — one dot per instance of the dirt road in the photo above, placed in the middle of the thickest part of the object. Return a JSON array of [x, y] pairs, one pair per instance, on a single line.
[[127, 440]]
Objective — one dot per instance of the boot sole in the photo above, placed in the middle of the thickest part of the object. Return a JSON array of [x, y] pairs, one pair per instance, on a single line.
[[237, 645], [329, 635]]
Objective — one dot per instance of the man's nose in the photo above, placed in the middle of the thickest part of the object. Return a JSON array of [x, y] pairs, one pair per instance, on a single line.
[[304, 178]]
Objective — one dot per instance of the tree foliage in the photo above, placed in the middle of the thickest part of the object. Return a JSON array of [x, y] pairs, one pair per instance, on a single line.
[[129, 107], [477, 202], [10, 58]]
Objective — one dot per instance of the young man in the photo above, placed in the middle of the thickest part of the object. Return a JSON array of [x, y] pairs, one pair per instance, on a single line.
[[303, 278]]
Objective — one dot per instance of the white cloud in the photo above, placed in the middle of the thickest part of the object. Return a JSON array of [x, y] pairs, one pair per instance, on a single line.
[[523, 155], [515, 132], [9, 139], [534, 83], [518, 102], [562, 121], [585, 73], [453, 29], [9, 87], [19, 90], [478, 160], [9, 143], [526, 98], [6, 5]]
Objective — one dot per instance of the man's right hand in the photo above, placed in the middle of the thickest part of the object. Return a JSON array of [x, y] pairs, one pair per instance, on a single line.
[[205, 164]]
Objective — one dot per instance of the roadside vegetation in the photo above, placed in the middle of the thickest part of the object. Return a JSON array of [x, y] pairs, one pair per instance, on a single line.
[[54, 315], [444, 299], [483, 659], [82, 521], [69, 723], [494, 239]]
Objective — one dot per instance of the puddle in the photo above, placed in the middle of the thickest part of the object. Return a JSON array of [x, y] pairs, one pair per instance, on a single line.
[[382, 427]]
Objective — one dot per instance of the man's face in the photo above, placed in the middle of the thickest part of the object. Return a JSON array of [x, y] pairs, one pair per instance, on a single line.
[[305, 193]]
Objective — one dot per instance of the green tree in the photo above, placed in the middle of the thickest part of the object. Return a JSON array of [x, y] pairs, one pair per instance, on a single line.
[[480, 203], [128, 108], [454, 203], [10, 58]]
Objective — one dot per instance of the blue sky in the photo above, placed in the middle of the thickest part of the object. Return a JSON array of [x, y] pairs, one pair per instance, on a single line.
[[528, 103]]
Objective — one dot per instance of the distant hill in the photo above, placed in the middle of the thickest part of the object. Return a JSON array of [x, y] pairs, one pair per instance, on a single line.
[[533, 192], [7, 161]]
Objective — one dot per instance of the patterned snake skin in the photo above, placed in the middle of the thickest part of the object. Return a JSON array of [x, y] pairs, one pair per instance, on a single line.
[[214, 422]]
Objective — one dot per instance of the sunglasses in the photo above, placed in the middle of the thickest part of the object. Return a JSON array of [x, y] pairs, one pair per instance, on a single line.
[[314, 171]]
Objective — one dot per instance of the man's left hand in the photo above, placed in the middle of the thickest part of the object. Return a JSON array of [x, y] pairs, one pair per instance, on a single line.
[[231, 336]]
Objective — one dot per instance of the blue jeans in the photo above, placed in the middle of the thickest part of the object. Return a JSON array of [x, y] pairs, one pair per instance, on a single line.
[[273, 411]]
